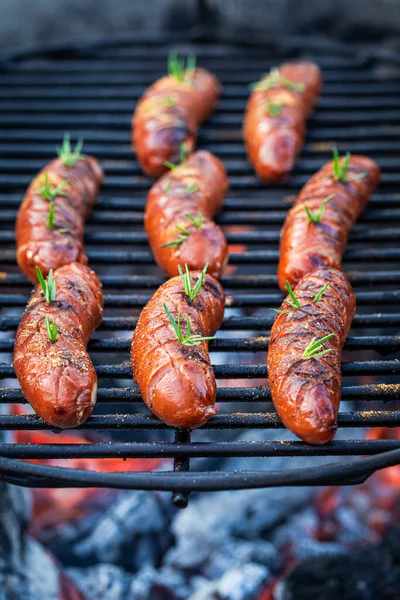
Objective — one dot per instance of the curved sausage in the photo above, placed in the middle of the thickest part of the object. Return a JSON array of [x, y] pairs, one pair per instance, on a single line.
[[275, 120], [306, 391], [177, 381], [58, 378], [307, 245], [174, 202], [51, 248], [168, 114]]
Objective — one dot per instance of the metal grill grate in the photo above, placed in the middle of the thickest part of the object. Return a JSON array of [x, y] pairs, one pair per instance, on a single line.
[[91, 92]]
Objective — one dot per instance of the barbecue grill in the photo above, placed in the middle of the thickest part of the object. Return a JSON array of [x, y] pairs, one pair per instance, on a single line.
[[90, 90]]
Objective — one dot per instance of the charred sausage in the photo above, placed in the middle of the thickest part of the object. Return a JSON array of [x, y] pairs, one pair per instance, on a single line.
[[176, 380], [316, 228], [305, 384], [179, 212], [169, 113], [275, 120], [56, 374], [69, 191]]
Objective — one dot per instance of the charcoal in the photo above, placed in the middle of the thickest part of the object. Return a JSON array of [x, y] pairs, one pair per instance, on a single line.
[[216, 521], [27, 570], [160, 584], [131, 531], [371, 573], [235, 553], [103, 582], [243, 582]]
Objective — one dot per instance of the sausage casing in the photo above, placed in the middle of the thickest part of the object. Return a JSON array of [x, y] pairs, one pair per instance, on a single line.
[[168, 114], [306, 391], [58, 378], [39, 246], [275, 121], [177, 382], [172, 199], [305, 245]]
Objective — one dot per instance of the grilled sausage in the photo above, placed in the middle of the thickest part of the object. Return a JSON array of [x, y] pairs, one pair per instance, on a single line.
[[275, 120], [168, 114], [37, 244], [58, 378], [197, 185], [306, 391], [307, 245], [177, 381]]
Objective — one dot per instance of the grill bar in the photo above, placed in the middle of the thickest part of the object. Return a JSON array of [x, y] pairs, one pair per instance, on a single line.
[[230, 323], [180, 451], [372, 392], [259, 344], [221, 421], [123, 371]]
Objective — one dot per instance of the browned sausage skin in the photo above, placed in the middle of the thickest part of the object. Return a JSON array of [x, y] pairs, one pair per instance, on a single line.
[[305, 385], [169, 113], [179, 213], [336, 202], [73, 190], [177, 381], [57, 377], [275, 120]]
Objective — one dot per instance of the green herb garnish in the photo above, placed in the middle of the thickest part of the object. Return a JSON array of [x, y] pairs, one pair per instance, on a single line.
[[167, 188], [274, 108], [48, 286], [184, 233], [315, 217], [169, 101], [51, 330], [190, 292], [189, 339], [68, 156], [294, 303], [321, 292], [183, 158], [192, 188], [49, 193], [341, 168], [275, 79], [50, 217], [178, 70], [313, 349]]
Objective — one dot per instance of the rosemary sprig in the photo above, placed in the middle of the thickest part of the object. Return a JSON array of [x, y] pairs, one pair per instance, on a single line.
[[51, 330], [190, 339], [274, 79], [190, 292], [183, 158], [178, 70], [167, 188], [313, 349], [169, 101], [274, 108], [50, 217], [48, 286], [321, 292], [192, 188], [294, 303], [315, 217], [49, 193], [184, 233], [68, 156], [341, 167]]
